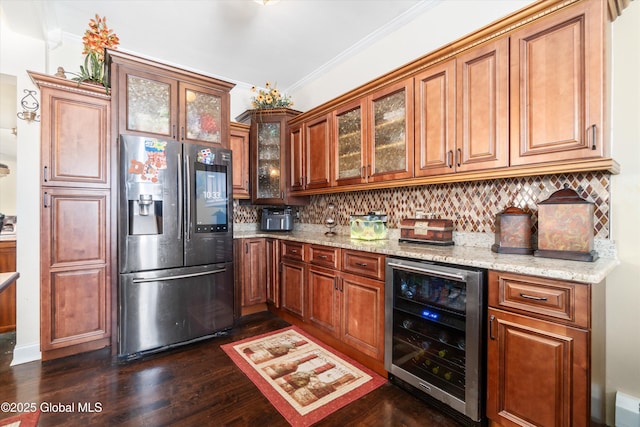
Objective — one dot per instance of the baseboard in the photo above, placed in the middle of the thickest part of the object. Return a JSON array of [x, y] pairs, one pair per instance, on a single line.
[[26, 353]]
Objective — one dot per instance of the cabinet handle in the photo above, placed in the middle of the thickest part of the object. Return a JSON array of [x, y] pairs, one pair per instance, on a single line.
[[369, 169], [294, 251], [532, 297], [45, 174], [459, 157], [361, 264], [322, 256], [450, 159], [491, 319], [45, 202], [593, 137], [173, 131], [246, 247], [362, 171], [182, 132]]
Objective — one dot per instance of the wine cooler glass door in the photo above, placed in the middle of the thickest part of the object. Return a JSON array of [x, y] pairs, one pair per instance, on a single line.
[[432, 333]]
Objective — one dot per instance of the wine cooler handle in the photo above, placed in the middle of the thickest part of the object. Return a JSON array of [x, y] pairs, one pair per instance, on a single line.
[[491, 319], [426, 270]]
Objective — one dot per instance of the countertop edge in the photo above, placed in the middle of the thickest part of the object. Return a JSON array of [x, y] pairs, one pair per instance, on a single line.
[[481, 257], [6, 279]]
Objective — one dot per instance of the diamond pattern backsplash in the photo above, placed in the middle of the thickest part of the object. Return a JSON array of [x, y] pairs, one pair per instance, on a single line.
[[472, 206]]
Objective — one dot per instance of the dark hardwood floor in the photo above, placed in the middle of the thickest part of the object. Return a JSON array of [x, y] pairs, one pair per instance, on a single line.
[[194, 385]]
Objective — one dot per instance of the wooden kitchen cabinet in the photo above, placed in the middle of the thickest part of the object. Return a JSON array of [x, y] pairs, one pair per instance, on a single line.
[[272, 253], [545, 351], [350, 143], [317, 152], [297, 161], [8, 296], [76, 134], [239, 144], [155, 99], [75, 217], [363, 314], [348, 306], [75, 277], [293, 278], [253, 271], [390, 127], [558, 84], [269, 156], [462, 112]]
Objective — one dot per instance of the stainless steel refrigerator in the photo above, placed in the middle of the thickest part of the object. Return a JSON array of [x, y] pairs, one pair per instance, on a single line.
[[175, 243]]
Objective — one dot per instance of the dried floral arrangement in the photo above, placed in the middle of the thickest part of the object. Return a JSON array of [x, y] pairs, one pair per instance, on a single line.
[[269, 97]]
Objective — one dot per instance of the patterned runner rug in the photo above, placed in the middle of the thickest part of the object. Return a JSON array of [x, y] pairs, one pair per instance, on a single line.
[[302, 378]]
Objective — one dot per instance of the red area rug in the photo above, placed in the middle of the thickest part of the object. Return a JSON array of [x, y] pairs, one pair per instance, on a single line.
[[302, 378], [27, 419]]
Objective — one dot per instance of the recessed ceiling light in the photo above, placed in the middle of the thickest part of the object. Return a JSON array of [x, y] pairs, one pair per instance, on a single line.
[[266, 2]]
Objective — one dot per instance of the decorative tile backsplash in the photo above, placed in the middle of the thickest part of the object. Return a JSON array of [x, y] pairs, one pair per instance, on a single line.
[[471, 205]]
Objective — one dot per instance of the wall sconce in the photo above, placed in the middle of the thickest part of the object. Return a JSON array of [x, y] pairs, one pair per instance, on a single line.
[[30, 107]]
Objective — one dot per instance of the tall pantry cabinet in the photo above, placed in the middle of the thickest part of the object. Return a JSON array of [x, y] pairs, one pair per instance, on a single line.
[[75, 217]]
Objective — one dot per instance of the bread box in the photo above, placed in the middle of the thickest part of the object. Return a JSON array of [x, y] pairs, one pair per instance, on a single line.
[[565, 227], [427, 230]]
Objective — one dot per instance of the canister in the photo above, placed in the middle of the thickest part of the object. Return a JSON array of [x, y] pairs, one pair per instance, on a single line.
[[565, 227], [513, 232]]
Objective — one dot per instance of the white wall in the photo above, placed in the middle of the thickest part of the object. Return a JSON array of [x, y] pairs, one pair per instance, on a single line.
[[623, 285], [19, 54], [415, 39]]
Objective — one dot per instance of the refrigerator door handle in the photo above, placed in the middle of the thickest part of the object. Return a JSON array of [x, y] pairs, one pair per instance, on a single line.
[[180, 276], [180, 218], [188, 195]]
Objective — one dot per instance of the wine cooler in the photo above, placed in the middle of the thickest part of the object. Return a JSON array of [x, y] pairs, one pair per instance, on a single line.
[[434, 329]]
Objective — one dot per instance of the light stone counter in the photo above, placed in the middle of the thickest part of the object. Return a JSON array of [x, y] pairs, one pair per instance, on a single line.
[[474, 255]]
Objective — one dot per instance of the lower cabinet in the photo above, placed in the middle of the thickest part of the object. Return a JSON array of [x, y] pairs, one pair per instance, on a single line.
[[75, 309], [272, 253], [363, 314], [8, 296], [293, 287], [545, 352], [348, 306], [253, 271]]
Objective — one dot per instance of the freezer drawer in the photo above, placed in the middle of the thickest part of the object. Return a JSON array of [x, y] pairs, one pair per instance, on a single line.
[[163, 308]]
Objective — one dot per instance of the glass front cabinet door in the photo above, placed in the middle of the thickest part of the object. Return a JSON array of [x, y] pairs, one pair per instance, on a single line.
[[269, 136], [391, 133], [351, 143], [166, 107]]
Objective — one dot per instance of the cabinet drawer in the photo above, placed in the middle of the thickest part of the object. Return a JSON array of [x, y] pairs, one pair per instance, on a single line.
[[293, 250], [363, 263], [325, 256], [547, 299]]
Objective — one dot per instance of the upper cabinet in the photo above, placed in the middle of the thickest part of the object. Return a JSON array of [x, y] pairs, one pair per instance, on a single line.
[[269, 136], [390, 133], [523, 96], [482, 110], [239, 144], [557, 87], [75, 134], [155, 99], [461, 112], [350, 143]]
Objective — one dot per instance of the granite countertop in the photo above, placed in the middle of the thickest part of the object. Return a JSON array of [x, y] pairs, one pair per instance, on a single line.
[[6, 279], [475, 256]]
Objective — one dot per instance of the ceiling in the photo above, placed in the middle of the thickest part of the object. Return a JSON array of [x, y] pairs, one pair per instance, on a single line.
[[242, 41]]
